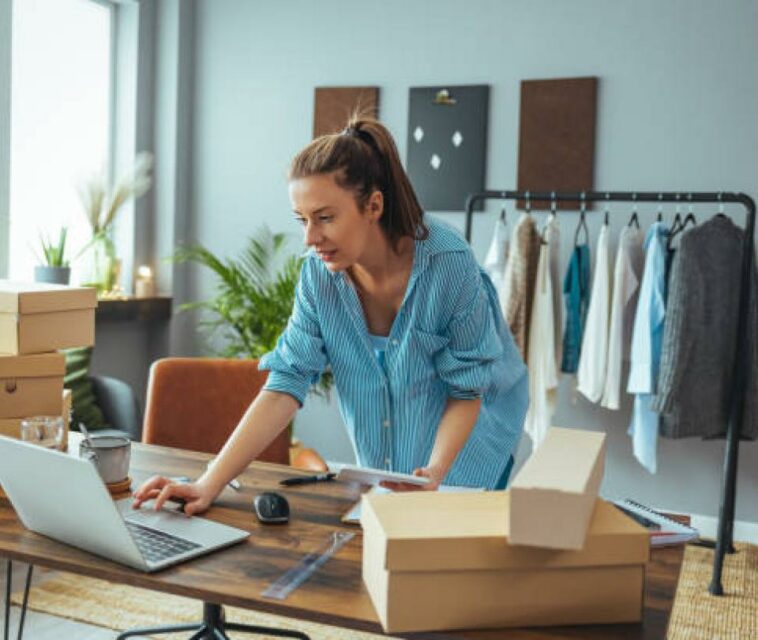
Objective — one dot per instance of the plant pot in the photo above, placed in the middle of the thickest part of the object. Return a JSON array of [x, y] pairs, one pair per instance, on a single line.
[[53, 275]]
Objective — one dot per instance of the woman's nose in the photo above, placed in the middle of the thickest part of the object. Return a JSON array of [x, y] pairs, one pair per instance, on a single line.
[[312, 235]]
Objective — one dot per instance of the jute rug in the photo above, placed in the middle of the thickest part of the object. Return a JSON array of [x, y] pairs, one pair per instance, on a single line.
[[123, 607], [696, 614]]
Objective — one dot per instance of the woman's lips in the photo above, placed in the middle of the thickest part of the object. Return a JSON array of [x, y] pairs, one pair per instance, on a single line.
[[327, 256]]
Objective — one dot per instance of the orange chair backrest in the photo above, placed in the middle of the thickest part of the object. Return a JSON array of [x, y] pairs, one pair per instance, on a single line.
[[195, 403]]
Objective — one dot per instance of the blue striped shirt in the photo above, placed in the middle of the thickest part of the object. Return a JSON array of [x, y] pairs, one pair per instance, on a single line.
[[448, 340]]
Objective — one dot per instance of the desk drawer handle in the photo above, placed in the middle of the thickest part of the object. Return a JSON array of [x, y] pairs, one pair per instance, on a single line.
[[10, 386]]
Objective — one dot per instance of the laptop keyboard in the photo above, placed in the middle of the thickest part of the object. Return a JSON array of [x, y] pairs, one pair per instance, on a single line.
[[157, 545]]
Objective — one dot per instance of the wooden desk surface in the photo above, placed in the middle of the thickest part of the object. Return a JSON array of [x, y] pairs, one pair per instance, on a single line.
[[333, 595]]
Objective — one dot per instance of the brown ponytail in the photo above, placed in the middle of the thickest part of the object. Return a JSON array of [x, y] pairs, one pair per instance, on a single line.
[[365, 159]]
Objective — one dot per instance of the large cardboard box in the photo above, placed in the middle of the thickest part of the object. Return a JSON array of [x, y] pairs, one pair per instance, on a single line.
[[554, 493], [31, 385], [39, 317], [435, 561], [12, 426]]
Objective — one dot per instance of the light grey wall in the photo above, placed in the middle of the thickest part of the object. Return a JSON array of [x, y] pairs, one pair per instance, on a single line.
[[5, 131], [677, 110]]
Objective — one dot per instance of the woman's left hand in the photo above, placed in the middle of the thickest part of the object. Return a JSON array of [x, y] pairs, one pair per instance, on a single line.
[[435, 479]]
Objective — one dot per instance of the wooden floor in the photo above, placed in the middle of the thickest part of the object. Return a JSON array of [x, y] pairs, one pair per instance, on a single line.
[[40, 626]]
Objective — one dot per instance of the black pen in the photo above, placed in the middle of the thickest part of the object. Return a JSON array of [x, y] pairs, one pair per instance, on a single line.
[[321, 477]]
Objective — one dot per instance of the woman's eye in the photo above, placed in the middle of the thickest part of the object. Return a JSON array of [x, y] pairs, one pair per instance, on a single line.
[[325, 218], [300, 221]]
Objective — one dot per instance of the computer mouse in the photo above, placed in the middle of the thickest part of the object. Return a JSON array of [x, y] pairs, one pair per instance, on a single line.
[[271, 507]]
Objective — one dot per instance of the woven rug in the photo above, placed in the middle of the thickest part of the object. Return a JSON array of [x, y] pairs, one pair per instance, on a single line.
[[697, 615], [121, 607]]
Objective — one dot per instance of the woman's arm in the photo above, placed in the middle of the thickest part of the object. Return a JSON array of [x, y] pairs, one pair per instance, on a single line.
[[457, 421], [264, 419]]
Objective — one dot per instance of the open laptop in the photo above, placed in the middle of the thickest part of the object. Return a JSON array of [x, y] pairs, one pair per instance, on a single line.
[[63, 497]]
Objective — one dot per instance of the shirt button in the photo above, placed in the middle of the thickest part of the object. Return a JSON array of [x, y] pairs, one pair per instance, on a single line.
[[386, 423], [395, 342], [387, 462]]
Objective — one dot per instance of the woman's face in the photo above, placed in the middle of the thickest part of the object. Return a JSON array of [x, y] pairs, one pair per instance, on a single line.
[[334, 225]]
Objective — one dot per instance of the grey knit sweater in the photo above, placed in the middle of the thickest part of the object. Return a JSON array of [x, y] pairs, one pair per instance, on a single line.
[[698, 358]]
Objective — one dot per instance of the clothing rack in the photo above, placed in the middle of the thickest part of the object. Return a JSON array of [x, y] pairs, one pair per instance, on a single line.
[[724, 542]]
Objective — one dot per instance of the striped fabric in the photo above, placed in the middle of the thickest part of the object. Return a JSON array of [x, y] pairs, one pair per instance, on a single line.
[[448, 340]]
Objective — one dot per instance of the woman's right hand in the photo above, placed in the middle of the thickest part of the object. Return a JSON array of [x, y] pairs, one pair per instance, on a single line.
[[196, 495]]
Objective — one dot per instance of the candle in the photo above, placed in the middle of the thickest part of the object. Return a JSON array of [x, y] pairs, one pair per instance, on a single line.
[[144, 284]]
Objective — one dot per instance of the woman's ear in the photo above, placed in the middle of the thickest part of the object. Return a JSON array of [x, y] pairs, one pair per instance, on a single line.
[[375, 205]]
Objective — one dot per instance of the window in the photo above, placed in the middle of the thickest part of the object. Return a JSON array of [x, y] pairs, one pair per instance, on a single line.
[[61, 96]]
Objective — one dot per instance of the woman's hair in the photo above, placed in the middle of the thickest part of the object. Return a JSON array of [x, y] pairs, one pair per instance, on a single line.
[[364, 159]]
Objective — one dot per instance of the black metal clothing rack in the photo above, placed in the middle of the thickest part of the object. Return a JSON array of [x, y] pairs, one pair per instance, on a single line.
[[724, 542]]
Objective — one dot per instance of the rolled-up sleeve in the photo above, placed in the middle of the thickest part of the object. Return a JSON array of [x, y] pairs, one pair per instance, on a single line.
[[300, 357], [465, 364]]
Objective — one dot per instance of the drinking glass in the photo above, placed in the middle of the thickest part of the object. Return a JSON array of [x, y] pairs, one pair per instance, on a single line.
[[46, 431]]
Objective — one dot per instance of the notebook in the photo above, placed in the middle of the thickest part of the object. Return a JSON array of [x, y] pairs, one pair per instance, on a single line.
[[663, 530]]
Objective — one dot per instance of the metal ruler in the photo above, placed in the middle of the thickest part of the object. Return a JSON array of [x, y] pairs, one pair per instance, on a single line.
[[292, 579]]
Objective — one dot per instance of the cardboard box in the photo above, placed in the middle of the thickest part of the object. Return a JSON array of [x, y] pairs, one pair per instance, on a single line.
[[554, 493], [31, 385], [39, 317], [12, 426], [437, 561]]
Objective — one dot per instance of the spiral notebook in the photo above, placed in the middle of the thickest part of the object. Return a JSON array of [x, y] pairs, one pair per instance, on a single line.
[[663, 530]]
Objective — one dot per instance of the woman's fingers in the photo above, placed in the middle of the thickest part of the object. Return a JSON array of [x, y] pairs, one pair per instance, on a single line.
[[149, 489]]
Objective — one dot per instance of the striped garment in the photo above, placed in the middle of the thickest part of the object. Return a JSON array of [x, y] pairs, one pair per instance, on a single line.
[[449, 339]]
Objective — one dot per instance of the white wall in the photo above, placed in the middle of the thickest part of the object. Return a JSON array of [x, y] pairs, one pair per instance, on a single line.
[[677, 110]]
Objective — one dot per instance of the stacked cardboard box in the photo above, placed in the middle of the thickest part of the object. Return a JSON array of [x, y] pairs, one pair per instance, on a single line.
[[434, 561], [36, 320]]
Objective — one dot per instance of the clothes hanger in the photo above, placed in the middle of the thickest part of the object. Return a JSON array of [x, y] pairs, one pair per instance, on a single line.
[[721, 213], [582, 223], [680, 225], [634, 219], [607, 209], [503, 216], [660, 208], [528, 203]]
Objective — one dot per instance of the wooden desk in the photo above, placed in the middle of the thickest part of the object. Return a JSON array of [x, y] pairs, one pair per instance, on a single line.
[[335, 593]]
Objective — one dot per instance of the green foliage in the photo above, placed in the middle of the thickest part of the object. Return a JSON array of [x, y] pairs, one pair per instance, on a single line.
[[254, 296], [54, 253]]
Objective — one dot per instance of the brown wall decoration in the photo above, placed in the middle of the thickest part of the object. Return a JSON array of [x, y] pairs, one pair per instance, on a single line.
[[557, 137], [334, 105]]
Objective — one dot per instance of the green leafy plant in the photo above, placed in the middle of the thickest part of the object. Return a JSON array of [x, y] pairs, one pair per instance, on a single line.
[[255, 292], [54, 254]]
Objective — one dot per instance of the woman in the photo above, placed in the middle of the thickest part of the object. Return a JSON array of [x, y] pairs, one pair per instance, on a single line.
[[429, 379]]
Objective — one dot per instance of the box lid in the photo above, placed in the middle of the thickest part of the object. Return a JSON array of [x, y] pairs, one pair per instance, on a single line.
[[41, 297], [430, 531], [547, 468], [32, 366]]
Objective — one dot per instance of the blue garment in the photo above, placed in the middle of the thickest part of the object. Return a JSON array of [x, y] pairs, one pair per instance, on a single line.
[[576, 293], [379, 344], [645, 354], [449, 340]]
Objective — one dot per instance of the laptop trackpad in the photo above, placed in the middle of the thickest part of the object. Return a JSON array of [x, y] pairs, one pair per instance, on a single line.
[[169, 520]]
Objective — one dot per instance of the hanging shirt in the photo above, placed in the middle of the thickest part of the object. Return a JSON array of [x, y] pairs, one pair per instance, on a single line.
[[518, 282], [552, 235], [543, 373], [497, 254], [699, 359], [590, 375], [626, 282], [448, 340], [645, 354], [576, 296]]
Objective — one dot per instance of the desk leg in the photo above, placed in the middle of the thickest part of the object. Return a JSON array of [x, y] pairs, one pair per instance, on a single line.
[[8, 578]]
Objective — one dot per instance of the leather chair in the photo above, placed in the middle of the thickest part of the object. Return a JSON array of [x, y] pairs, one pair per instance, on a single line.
[[195, 403]]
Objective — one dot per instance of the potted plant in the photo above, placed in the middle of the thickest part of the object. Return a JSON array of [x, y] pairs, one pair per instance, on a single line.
[[101, 205], [55, 268], [253, 298]]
